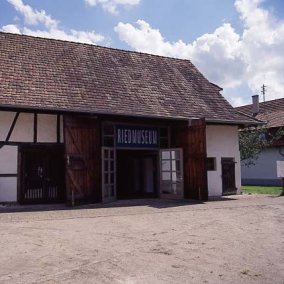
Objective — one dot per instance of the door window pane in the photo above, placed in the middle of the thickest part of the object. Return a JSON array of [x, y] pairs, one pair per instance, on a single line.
[[173, 165], [106, 165], [166, 166], [176, 155], [106, 191], [174, 188], [166, 155], [174, 176], [166, 176], [112, 165], [112, 178], [106, 178]]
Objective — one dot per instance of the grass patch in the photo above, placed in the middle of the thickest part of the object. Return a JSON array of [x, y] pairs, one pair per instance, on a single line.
[[271, 190]]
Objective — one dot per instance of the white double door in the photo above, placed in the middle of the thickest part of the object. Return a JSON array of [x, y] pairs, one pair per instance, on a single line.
[[171, 174]]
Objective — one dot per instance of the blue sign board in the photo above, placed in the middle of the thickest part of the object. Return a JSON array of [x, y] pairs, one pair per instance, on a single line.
[[137, 137]]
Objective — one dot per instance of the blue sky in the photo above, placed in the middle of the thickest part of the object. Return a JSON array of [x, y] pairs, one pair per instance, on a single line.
[[237, 44]]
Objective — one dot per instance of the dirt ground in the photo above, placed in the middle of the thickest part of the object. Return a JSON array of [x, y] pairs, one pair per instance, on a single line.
[[236, 240]]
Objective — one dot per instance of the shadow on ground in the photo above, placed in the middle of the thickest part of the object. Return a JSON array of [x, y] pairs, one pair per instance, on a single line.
[[154, 203]]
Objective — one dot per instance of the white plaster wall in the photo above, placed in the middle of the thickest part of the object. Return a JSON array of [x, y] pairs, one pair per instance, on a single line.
[[8, 165], [24, 128], [47, 128], [265, 166], [8, 160], [222, 142], [6, 119], [8, 189]]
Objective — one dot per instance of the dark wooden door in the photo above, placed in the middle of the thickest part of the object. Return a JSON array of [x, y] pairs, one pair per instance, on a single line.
[[192, 139], [83, 158], [42, 174], [228, 176]]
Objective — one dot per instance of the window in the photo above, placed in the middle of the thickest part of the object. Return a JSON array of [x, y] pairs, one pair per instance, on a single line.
[[108, 135], [211, 164]]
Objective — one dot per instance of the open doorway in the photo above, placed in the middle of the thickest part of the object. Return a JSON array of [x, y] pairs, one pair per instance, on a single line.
[[228, 176], [137, 174], [42, 174]]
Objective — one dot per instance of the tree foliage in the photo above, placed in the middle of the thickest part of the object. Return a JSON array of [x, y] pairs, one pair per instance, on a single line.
[[254, 140]]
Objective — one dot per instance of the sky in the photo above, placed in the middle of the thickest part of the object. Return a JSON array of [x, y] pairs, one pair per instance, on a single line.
[[236, 44]]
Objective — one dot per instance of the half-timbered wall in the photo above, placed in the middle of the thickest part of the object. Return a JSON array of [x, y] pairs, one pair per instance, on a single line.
[[222, 142], [22, 128]]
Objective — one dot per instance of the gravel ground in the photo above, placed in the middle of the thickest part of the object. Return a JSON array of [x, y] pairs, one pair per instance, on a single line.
[[239, 239]]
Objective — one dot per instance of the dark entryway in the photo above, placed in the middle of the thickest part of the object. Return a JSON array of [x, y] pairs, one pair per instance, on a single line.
[[42, 174], [136, 174], [228, 176]]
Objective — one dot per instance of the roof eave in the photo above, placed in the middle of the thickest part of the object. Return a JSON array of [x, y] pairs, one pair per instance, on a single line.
[[74, 111], [235, 122]]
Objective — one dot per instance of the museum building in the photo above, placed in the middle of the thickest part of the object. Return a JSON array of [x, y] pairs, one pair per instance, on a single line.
[[84, 123]]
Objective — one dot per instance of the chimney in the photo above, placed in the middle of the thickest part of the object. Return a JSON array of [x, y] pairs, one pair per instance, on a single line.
[[255, 104]]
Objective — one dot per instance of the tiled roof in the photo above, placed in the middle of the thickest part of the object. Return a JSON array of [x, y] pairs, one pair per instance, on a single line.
[[66, 76], [271, 112]]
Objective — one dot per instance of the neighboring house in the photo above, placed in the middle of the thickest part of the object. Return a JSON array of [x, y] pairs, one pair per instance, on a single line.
[[80, 122], [264, 172]]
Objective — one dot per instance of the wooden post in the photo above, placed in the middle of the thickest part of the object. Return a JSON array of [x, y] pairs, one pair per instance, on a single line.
[[282, 193]]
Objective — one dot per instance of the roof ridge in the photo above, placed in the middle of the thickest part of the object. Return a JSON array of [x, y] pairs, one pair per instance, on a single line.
[[262, 103], [101, 46]]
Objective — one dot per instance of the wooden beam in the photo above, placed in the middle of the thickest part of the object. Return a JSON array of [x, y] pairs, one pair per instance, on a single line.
[[35, 127], [8, 175], [58, 128]]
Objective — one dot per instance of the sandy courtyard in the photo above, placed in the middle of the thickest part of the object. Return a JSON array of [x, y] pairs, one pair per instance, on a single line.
[[240, 240]]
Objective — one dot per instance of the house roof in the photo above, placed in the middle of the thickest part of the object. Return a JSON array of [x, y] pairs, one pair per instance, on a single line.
[[48, 74], [272, 112]]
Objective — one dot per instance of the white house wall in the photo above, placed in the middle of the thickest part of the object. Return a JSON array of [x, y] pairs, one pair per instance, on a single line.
[[47, 125], [264, 172], [8, 166], [222, 142], [24, 128], [6, 119]]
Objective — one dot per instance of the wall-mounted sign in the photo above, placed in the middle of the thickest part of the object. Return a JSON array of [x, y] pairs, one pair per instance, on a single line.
[[137, 137]]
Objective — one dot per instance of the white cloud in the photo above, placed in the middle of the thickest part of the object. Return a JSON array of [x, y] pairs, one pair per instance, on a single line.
[[227, 58], [73, 35], [263, 41], [11, 29], [213, 53], [50, 28], [111, 5], [32, 16]]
